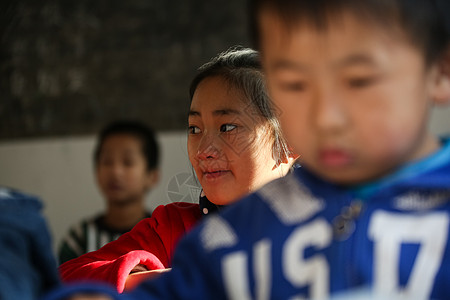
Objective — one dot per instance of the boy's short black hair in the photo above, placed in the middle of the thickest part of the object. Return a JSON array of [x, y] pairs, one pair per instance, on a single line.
[[423, 21], [145, 134]]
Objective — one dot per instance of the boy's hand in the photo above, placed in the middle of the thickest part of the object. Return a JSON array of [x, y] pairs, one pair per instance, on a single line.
[[134, 279]]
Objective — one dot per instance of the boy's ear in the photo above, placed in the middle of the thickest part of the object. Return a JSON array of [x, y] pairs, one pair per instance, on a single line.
[[152, 178], [441, 94]]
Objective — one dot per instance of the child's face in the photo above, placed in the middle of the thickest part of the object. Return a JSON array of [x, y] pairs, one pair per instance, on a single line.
[[354, 99], [228, 144], [121, 171]]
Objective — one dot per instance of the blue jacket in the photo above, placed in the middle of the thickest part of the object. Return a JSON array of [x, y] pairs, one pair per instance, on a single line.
[[27, 264], [300, 237]]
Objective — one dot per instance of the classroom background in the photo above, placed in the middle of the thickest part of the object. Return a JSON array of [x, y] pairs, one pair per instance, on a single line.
[[67, 68]]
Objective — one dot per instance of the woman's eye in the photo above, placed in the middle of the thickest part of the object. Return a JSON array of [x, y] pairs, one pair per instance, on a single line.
[[227, 127], [294, 86], [193, 130]]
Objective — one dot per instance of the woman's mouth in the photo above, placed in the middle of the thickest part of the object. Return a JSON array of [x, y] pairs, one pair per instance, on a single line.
[[215, 174]]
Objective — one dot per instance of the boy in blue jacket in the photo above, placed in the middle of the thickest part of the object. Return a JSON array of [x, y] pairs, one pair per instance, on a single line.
[[354, 82]]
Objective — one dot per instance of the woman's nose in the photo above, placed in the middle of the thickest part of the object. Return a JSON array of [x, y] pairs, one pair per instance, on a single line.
[[208, 147]]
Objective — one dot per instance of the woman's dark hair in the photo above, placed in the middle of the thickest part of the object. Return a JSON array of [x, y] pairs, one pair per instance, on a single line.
[[143, 133], [241, 68], [423, 21]]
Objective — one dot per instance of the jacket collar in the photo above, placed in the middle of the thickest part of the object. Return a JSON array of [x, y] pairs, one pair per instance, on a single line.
[[206, 206]]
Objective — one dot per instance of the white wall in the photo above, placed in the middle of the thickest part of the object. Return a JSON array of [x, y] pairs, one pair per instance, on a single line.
[[60, 172], [440, 120]]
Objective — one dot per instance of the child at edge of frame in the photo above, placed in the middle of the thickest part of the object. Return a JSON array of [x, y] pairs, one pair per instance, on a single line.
[[27, 262]]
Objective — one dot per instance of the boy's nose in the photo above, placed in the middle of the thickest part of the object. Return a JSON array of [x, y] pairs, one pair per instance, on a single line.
[[329, 112], [116, 169], [208, 147]]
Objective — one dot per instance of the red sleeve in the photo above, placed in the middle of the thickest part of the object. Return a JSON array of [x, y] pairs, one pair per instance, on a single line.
[[151, 243]]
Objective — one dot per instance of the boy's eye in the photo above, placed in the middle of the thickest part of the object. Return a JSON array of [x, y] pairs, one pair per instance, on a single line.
[[193, 130], [227, 127], [361, 82], [128, 162], [105, 161]]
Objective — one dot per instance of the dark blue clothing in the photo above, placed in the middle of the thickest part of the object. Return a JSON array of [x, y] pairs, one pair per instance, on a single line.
[[300, 237], [27, 264], [207, 207]]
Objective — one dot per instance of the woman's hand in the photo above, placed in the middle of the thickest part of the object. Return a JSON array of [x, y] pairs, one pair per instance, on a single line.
[[139, 268], [139, 276]]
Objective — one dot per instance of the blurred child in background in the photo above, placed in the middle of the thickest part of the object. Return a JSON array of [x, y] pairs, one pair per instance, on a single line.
[[126, 167]]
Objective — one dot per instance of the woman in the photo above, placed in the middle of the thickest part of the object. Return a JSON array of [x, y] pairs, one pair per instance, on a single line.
[[235, 146]]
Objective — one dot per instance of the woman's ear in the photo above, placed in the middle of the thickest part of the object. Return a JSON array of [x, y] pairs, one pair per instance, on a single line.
[[441, 89], [289, 159]]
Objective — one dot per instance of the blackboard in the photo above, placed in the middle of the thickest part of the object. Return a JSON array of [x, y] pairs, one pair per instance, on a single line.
[[69, 67]]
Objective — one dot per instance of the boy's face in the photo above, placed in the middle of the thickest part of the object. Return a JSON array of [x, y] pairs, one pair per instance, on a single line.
[[354, 99], [121, 171]]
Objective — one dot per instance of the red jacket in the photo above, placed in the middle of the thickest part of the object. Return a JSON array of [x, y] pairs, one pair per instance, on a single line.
[[151, 243]]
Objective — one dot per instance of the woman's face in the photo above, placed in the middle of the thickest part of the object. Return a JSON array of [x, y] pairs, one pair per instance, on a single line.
[[229, 143]]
